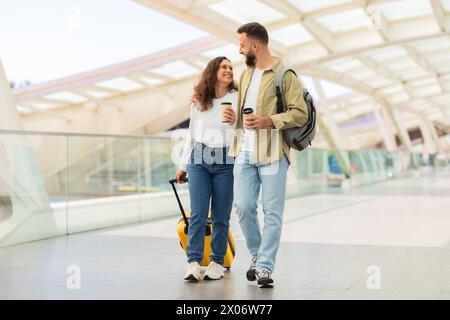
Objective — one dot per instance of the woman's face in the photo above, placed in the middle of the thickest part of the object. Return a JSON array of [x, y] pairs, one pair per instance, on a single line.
[[225, 72]]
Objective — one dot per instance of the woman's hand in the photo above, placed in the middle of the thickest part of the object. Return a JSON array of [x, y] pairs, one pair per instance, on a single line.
[[228, 116], [181, 176]]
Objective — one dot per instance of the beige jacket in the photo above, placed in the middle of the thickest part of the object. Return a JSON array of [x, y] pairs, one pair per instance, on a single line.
[[270, 145]]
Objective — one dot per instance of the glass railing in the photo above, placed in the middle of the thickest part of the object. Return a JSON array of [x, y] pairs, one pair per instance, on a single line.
[[57, 183]]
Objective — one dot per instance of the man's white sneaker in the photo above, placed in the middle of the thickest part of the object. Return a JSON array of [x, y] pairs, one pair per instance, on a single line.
[[193, 271], [214, 271]]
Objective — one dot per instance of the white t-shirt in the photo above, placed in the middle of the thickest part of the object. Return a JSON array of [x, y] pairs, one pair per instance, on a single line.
[[207, 127], [251, 99]]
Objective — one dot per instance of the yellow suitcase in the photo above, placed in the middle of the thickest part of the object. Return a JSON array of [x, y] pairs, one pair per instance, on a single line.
[[183, 234]]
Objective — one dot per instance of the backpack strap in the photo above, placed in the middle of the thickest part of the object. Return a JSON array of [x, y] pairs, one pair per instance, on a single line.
[[278, 85]]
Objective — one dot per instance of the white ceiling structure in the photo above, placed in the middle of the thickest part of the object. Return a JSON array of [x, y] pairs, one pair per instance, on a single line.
[[394, 56]]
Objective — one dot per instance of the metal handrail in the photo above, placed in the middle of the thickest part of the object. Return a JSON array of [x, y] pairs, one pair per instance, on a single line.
[[71, 134]]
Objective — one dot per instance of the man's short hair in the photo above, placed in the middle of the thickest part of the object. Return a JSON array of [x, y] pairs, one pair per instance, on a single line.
[[256, 31]]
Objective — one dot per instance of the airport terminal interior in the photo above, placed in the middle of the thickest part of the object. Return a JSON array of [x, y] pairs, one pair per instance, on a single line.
[[86, 209]]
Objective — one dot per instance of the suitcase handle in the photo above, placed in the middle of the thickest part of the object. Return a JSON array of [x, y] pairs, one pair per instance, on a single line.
[[172, 182]]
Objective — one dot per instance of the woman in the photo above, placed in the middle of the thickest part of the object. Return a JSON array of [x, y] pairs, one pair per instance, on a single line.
[[209, 168]]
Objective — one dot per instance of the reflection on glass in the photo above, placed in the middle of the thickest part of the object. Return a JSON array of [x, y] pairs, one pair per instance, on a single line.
[[53, 184]]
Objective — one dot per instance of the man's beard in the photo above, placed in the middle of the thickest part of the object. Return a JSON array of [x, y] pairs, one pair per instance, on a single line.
[[250, 59]]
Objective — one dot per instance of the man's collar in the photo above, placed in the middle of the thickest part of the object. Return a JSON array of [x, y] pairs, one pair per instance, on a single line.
[[275, 67]]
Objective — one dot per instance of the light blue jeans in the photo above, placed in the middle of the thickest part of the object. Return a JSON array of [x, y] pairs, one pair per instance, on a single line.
[[249, 178]]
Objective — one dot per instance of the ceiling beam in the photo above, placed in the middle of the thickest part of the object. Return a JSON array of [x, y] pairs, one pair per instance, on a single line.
[[440, 15], [295, 51], [320, 34], [425, 65], [117, 70]]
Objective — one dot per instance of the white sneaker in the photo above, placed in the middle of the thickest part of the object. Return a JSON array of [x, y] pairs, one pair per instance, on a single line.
[[193, 271], [214, 271]]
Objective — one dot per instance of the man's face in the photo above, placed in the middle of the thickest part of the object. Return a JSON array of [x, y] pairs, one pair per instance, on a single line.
[[246, 49]]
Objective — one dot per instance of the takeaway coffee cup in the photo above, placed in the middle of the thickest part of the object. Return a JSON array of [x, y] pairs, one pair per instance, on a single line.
[[225, 106], [247, 112]]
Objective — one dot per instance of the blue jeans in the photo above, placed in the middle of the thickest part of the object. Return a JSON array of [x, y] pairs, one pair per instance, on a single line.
[[210, 181], [271, 178]]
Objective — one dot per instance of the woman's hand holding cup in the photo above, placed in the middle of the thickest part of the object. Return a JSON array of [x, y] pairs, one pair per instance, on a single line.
[[228, 115]]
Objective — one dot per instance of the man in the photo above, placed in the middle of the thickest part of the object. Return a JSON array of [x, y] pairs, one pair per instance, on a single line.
[[262, 155]]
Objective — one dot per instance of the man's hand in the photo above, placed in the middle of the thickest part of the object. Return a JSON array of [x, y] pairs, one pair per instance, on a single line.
[[258, 122]]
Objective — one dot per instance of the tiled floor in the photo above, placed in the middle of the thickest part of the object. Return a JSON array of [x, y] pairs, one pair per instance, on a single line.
[[384, 241]]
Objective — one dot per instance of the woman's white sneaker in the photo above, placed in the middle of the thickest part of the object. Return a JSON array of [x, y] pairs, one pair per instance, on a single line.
[[214, 271], [193, 271]]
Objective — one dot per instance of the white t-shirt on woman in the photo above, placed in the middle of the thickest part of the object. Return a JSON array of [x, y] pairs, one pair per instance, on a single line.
[[207, 127]]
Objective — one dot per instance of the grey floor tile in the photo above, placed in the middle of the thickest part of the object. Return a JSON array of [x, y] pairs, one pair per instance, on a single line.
[[401, 226]]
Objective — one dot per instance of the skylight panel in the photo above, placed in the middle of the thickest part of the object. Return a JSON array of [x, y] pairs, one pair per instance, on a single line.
[[176, 69], [345, 21], [152, 81], [439, 58], [23, 109], [340, 116], [433, 45], [121, 84], [332, 106], [401, 65], [377, 82], [310, 6], [442, 99], [97, 94], [66, 96], [392, 90], [412, 74], [345, 65], [443, 68], [358, 100], [231, 51], [247, 11], [45, 106], [291, 35], [333, 90], [406, 9], [427, 90], [360, 109], [423, 82], [399, 97], [363, 74], [388, 54]]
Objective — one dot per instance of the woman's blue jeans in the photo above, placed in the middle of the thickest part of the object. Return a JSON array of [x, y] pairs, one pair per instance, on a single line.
[[210, 174]]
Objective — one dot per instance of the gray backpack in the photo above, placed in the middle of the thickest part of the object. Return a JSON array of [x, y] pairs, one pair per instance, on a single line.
[[298, 138]]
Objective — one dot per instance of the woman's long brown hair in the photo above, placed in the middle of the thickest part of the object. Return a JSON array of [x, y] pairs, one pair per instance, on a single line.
[[205, 91]]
